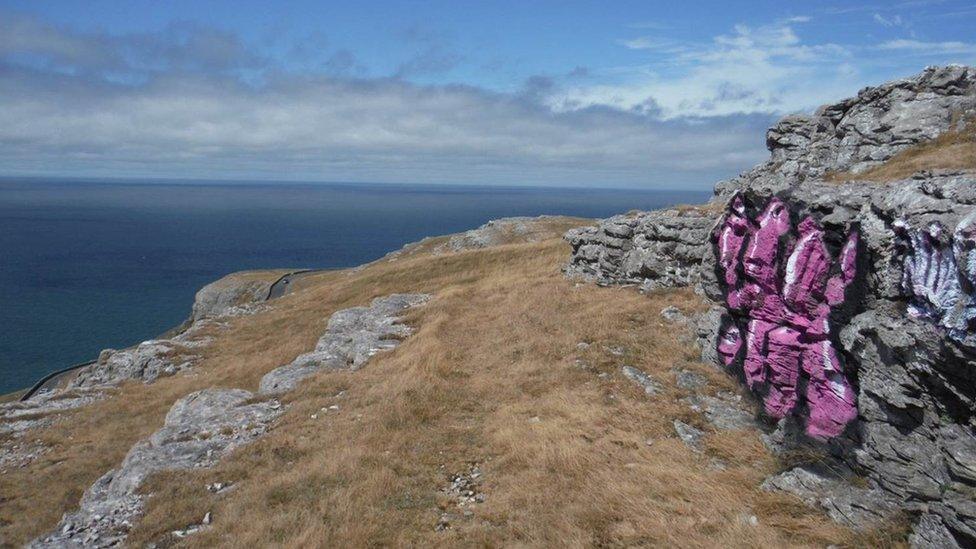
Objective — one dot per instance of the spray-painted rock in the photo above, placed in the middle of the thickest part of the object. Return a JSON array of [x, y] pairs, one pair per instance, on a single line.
[[939, 275], [782, 284]]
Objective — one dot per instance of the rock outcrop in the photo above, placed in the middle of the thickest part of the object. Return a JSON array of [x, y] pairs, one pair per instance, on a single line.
[[848, 308], [205, 425], [230, 295], [658, 249], [863, 131], [351, 338], [199, 429]]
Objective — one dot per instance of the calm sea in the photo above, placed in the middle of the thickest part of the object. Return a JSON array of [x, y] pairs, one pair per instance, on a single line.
[[86, 265]]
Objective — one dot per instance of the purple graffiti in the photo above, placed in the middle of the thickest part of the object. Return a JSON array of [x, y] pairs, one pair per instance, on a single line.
[[939, 275], [782, 285]]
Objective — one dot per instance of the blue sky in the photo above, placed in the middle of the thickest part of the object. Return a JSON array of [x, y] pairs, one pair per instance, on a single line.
[[554, 93]]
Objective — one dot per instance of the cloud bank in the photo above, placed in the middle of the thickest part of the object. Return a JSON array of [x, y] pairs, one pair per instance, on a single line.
[[190, 101]]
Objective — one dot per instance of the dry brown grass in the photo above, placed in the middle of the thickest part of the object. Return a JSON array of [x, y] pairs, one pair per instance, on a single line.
[[954, 150], [496, 348]]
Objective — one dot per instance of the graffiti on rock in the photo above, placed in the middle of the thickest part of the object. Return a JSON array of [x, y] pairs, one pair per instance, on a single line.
[[782, 286], [939, 275]]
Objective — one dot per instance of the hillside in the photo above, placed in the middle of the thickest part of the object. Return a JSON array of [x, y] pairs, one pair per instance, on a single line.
[[512, 369], [478, 389]]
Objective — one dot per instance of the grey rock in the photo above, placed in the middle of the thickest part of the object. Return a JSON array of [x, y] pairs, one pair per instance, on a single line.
[[643, 380], [673, 314], [931, 533], [691, 436], [659, 249], [223, 296], [688, 380], [351, 338], [860, 132], [499, 231], [205, 425], [199, 429], [725, 414], [844, 503]]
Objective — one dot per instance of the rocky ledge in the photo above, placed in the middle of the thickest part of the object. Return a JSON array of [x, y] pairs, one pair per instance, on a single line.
[[848, 308]]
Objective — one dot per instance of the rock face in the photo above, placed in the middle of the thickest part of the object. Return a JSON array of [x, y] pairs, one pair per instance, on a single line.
[[203, 426], [221, 297], [848, 308], [782, 300], [861, 132], [659, 249], [351, 338]]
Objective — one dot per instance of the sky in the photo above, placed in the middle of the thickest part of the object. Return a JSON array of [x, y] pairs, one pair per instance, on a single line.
[[601, 94]]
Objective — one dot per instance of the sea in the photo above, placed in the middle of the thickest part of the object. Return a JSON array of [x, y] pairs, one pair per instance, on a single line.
[[87, 264]]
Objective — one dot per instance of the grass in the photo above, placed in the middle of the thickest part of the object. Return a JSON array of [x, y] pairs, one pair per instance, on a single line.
[[492, 375], [953, 150]]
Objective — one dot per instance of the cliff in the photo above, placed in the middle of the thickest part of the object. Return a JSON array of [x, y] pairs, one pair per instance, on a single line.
[[847, 307]]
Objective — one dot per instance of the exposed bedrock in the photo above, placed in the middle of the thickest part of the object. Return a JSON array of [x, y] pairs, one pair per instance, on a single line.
[[205, 425], [221, 297], [862, 131], [658, 249], [351, 338], [848, 308], [199, 429]]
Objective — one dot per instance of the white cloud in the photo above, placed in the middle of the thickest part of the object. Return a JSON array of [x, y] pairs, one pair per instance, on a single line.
[[317, 128], [195, 102], [765, 69], [929, 48], [890, 21]]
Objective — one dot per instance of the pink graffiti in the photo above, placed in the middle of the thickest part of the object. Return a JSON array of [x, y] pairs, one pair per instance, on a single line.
[[782, 286]]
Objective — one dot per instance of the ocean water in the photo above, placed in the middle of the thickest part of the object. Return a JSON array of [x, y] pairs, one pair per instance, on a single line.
[[86, 265]]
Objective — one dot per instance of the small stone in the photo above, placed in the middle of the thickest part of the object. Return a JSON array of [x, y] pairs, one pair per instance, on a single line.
[[207, 518], [582, 346], [672, 314], [640, 378], [691, 436], [535, 419]]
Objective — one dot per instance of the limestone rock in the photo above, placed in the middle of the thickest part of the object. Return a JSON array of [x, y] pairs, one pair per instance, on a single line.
[[691, 436], [659, 249], [236, 290], [199, 429], [863, 131], [843, 502], [351, 338], [499, 231], [641, 379], [897, 313]]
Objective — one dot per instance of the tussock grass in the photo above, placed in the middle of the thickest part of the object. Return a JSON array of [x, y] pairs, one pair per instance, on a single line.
[[953, 150], [492, 375]]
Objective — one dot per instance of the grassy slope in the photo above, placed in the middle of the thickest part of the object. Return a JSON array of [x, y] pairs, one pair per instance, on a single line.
[[496, 347]]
